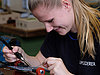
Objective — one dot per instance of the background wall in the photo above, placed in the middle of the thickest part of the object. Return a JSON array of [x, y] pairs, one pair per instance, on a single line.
[[16, 5], [31, 45]]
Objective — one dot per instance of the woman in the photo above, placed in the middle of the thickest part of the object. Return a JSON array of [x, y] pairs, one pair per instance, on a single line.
[[72, 43]]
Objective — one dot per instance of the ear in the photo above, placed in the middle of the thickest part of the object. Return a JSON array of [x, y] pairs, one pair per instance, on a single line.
[[66, 4]]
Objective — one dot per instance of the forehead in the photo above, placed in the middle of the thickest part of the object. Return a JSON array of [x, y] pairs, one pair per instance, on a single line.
[[44, 13], [40, 12]]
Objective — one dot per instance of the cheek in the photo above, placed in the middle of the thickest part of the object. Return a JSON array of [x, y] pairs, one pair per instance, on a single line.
[[69, 22], [56, 23], [63, 21]]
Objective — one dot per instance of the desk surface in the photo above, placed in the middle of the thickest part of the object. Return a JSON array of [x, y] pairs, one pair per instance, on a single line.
[[7, 71], [20, 32]]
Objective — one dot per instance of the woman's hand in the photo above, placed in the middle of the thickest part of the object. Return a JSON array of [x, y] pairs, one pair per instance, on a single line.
[[9, 54], [56, 66]]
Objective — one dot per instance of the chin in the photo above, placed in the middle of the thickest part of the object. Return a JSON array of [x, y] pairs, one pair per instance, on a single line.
[[62, 34]]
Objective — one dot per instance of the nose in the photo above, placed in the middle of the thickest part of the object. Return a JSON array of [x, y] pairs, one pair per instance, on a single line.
[[49, 27]]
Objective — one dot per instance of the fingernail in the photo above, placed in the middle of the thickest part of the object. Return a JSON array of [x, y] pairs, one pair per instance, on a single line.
[[45, 65]]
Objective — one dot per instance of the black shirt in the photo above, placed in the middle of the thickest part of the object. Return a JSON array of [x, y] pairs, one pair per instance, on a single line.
[[67, 48]]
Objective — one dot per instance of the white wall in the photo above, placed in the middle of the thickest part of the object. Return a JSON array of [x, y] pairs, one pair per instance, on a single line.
[[16, 5]]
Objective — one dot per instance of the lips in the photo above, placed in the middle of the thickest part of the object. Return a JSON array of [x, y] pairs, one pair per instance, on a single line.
[[56, 28]]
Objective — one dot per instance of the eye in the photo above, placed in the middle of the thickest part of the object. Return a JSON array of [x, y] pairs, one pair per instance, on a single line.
[[50, 20]]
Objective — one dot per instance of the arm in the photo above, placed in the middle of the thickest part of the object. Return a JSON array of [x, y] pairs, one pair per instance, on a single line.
[[55, 65], [37, 60]]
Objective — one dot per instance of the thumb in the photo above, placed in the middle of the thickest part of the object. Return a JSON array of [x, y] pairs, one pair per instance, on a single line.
[[15, 49]]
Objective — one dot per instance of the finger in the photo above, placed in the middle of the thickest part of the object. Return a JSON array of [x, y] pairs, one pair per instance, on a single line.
[[15, 49], [48, 62], [6, 50], [8, 55], [45, 64], [11, 60], [51, 60], [51, 72], [51, 67]]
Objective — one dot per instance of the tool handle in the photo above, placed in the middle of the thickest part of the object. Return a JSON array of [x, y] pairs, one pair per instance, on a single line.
[[8, 45], [18, 55]]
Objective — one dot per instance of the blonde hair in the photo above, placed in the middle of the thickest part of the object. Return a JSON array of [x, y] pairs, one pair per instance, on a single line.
[[33, 4], [87, 25], [85, 19]]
